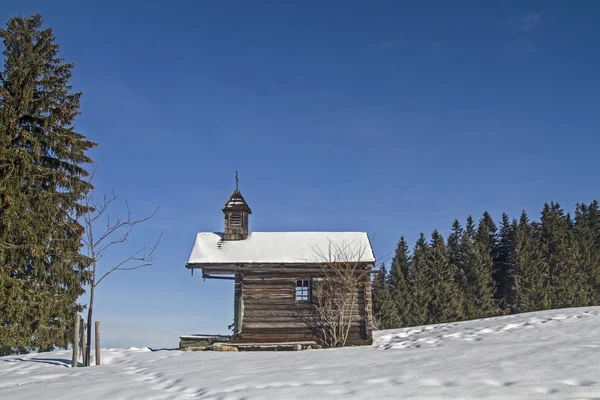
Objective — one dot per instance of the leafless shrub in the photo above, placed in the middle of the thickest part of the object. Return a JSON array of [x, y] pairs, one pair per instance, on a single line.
[[103, 233], [336, 292]]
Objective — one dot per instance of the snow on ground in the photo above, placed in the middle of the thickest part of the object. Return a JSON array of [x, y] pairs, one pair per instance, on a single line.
[[544, 355]]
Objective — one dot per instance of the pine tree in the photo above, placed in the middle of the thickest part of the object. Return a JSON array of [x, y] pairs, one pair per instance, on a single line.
[[420, 283], [41, 182], [504, 266], [566, 280], [532, 275], [399, 286]]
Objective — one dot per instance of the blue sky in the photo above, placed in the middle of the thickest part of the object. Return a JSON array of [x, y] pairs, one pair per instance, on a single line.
[[386, 117]]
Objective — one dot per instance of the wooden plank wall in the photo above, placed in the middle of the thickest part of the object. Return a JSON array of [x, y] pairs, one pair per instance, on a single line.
[[271, 313]]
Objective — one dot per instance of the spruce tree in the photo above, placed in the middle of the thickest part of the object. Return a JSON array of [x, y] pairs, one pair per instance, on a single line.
[[487, 240], [378, 290], [41, 183], [399, 286], [454, 242], [504, 266], [470, 228], [487, 233], [383, 310], [593, 217], [467, 262], [446, 302], [566, 280], [456, 256], [420, 282], [586, 236], [463, 264], [484, 244], [532, 275]]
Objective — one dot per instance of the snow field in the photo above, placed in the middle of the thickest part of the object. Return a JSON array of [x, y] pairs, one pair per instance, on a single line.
[[544, 355]]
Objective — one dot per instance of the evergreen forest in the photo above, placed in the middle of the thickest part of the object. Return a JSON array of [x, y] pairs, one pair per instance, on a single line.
[[484, 269]]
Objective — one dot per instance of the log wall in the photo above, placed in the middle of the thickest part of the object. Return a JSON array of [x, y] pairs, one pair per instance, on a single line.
[[272, 314]]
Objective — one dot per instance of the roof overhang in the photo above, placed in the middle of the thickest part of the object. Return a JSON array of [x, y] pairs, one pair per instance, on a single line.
[[230, 269]]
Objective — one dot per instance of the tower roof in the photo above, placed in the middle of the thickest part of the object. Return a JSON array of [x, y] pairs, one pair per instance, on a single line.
[[236, 202]]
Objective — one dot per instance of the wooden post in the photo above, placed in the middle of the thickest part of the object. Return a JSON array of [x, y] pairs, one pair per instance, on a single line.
[[75, 342], [83, 341], [97, 338]]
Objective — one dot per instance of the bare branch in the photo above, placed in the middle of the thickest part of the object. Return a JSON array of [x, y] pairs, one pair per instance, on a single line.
[[344, 275], [145, 256], [128, 223], [102, 207], [132, 268], [97, 219]]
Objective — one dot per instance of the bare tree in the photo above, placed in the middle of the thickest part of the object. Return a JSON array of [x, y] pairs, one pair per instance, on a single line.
[[101, 234], [336, 293]]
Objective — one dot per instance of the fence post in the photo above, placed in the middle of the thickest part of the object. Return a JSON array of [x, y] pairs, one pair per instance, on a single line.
[[97, 338], [83, 342], [75, 342]]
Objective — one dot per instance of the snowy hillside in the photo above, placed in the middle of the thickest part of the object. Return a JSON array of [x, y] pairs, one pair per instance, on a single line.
[[544, 355]]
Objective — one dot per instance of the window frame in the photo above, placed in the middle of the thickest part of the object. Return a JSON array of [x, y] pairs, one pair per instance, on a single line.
[[302, 292]]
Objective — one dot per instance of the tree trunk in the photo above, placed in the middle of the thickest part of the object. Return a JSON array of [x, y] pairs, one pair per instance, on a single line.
[[76, 341], [88, 346]]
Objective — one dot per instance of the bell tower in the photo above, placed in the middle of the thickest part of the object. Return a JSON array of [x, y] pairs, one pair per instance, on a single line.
[[236, 212]]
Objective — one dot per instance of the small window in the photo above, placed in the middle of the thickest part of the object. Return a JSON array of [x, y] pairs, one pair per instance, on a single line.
[[235, 220], [303, 291]]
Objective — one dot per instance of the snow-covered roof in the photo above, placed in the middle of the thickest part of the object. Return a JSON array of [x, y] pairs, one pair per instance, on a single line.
[[280, 247]]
